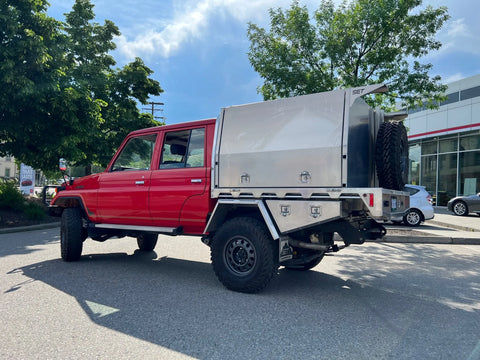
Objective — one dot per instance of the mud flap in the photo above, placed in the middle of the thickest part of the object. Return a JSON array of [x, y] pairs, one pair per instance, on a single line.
[[285, 250]]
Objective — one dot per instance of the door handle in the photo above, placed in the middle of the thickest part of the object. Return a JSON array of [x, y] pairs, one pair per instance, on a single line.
[[141, 182], [196, 180]]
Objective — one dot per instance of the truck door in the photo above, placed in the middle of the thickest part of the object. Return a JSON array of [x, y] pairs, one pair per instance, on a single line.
[[179, 194], [123, 190]]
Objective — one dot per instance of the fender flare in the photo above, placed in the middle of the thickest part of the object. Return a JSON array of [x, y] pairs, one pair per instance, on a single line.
[[224, 206], [63, 202]]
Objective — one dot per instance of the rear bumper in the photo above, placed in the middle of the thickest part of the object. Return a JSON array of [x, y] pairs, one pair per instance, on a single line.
[[428, 214]]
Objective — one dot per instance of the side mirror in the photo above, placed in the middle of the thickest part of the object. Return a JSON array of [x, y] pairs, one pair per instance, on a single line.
[[62, 164]]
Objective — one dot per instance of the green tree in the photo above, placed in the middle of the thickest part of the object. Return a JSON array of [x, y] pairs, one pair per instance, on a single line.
[[111, 95], [30, 63], [62, 96], [361, 42]]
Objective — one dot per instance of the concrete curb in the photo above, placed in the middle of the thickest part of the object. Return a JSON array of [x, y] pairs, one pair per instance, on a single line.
[[29, 228], [451, 226], [410, 236], [428, 240]]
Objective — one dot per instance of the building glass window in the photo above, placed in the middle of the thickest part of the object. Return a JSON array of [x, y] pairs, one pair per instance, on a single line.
[[470, 142], [470, 93], [448, 145], [429, 172], [469, 173], [447, 178], [429, 147], [414, 154], [7, 172], [451, 98]]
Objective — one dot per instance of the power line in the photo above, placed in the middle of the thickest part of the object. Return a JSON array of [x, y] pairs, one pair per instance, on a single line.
[[152, 109]]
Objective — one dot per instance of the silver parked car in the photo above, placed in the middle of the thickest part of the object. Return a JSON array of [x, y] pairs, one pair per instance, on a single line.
[[463, 205], [421, 206]]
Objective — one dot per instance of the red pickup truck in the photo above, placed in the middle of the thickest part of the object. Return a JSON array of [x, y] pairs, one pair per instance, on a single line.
[[264, 185]]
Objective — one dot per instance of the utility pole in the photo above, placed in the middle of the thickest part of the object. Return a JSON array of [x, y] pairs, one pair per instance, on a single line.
[[152, 109]]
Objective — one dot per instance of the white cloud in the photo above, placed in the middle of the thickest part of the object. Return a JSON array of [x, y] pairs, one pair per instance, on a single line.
[[165, 42], [452, 78], [458, 36], [191, 20], [458, 28]]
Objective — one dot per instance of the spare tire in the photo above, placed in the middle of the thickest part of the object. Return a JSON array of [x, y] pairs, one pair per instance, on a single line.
[[391, 155]]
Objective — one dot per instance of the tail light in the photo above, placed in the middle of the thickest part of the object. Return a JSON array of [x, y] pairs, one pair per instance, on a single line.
[[370, 199], [430, 199]]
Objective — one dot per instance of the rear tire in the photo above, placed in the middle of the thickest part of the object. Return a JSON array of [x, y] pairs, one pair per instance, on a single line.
[[413, 217], [147, 242], [244, 255], [326, 239], [306, 266], [71, 234], [460, 208], [391, 155]]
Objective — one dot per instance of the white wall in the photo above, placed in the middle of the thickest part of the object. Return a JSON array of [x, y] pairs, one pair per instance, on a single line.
[[457, 117]]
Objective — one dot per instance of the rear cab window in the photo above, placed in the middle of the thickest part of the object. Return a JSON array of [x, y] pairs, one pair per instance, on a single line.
[[183, 149]]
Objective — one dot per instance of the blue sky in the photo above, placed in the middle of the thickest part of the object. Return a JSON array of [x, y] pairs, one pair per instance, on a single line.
[[198, 49]]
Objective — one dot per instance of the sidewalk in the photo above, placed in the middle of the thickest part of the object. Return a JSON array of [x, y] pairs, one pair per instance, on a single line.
[[445, 228], [29, 228], [445, 218]]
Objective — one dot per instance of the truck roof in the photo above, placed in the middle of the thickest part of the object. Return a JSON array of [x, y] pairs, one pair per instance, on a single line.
[[189, 124]]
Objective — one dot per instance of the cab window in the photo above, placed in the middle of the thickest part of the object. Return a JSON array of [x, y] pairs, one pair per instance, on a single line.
[[184, 148], [136, 154]]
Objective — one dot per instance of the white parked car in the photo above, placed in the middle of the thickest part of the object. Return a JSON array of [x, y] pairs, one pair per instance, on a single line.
[[421, 206]]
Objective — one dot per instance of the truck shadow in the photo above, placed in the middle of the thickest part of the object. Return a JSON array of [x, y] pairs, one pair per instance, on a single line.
[[26, 242], [180, 305]]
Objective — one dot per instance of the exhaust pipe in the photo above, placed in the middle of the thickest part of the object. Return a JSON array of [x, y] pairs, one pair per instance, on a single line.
[[305, 245]]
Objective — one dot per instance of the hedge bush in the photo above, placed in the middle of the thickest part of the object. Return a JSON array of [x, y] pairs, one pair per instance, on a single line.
[[34, 211], [10, 197]]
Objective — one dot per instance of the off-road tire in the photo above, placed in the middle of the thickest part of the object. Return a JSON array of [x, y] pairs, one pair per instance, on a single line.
[[306, 266], [391, 155], [327, 238], [460, 208], [244, 255], [71, 234], [413, 217], [147, 242]]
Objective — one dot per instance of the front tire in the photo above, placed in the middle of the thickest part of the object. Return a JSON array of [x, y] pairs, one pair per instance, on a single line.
[[460, 208], [147, 242], [244, 255], [413, 217], [71, 234]]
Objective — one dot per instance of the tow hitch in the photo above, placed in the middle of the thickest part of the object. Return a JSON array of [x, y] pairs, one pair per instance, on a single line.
[[373, 230]]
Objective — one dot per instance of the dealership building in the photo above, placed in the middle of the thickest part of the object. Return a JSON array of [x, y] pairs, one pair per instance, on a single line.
[[444, 144]]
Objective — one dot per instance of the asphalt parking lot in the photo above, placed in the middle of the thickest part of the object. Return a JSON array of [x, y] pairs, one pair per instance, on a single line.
[[370, 301]]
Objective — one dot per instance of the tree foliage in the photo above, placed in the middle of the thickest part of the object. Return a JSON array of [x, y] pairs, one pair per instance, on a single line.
[[61, 96], [361, 42]]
